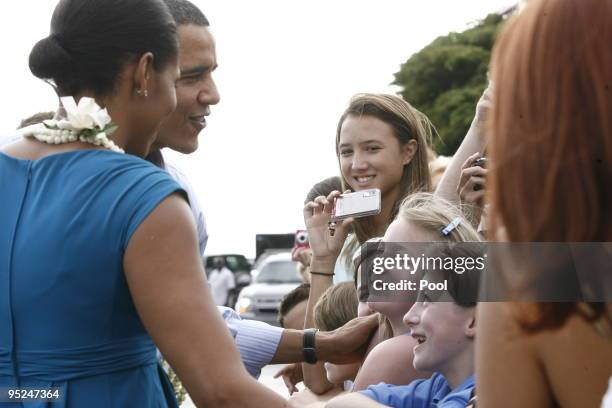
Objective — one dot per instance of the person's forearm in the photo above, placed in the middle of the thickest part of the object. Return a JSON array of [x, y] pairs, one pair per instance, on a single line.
[[318, 284], [257, 343], [291, 344], [290, 348], [473, 142], [315, 377]]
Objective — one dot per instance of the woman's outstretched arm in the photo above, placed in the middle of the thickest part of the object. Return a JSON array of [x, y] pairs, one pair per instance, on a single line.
[[325, 251], [169, 288]]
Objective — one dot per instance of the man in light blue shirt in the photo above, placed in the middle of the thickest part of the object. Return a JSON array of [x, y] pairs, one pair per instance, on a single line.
[[256, 341], [196, 92], [259, 343]]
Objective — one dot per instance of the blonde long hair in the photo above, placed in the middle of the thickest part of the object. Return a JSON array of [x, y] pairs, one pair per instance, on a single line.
[[432, 213]]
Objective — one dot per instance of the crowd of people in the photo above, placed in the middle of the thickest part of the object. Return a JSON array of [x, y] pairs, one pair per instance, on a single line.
[[101, 238]]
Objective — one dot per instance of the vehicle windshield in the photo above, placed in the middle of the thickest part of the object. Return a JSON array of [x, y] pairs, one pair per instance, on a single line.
[[232, 262], [237, 263], [278, 272]]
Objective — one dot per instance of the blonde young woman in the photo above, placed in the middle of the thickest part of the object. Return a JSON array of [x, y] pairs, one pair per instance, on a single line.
[[380, 143], [420, 218], [550, 181]]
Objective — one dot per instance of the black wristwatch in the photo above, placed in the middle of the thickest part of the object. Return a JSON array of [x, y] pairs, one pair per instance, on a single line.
[[309, 346]]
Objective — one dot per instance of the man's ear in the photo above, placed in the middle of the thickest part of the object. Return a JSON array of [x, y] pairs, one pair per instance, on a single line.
[[142, 74], [470, 328], [409, 150]]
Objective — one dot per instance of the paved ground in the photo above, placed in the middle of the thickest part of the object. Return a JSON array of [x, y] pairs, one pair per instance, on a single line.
[[266, 379]]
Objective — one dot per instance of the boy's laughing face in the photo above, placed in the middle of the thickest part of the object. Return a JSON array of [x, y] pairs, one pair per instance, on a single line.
[[444, 332]]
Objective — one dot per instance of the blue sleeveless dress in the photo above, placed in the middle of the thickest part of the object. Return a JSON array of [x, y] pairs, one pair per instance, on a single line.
[[67, 319]]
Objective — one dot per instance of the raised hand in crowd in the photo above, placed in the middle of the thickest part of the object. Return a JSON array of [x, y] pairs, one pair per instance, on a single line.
[[302, 255], [473, 143], [483, 107], [471, 188], [325, 247]]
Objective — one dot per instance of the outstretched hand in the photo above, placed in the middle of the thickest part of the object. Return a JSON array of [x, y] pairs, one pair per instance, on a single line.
[[348, 343], [292, 375]]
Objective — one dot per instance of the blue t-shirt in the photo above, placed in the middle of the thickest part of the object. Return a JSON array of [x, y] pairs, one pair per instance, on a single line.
[[431, 393]]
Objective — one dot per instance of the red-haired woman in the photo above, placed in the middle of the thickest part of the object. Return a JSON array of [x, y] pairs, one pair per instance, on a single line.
[[550, 180]]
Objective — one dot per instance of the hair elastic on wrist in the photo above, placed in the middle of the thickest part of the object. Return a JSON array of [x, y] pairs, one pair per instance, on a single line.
[[451, 226], [321, 273]]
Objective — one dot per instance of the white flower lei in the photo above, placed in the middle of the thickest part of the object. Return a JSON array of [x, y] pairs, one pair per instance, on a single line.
[[86, 122]]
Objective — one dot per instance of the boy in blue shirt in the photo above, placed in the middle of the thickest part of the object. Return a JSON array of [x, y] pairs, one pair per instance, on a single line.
[[444, 325]]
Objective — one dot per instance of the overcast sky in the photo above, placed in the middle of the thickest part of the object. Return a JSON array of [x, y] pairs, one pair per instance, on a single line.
[[286, 72]]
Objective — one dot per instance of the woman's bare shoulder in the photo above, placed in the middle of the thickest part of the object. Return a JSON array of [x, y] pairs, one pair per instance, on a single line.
[[576, 357], [546, 365]]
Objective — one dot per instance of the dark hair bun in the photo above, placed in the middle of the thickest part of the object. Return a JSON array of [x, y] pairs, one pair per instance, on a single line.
[[92, 40], [49, 60]]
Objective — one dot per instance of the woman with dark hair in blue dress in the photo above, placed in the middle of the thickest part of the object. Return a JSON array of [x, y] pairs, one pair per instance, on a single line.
[[98, 250]]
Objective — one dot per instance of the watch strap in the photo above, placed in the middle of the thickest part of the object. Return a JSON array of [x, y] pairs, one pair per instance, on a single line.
[[310, 355]]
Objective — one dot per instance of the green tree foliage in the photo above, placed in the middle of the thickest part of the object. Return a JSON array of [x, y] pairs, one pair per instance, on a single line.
[[445, 79]]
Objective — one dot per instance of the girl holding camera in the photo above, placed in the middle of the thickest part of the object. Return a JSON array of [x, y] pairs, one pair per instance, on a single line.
[[380, 143]]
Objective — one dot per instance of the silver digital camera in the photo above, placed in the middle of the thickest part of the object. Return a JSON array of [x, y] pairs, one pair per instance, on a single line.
[[358, 204]]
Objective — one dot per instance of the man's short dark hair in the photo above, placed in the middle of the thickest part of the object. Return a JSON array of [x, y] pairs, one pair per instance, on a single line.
[[185, 12], [292, 299]]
